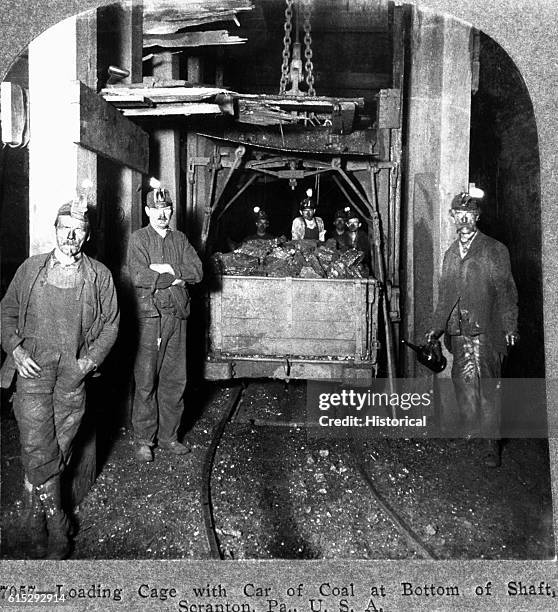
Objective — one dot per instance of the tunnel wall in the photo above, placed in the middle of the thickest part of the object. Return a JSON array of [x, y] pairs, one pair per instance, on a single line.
[[505, 163]]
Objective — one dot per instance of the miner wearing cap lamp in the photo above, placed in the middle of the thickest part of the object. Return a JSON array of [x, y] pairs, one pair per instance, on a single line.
[[308, 226], [477, 311], [262, 224], [356, 238], [59, 321], [339, 227], [161, 263]]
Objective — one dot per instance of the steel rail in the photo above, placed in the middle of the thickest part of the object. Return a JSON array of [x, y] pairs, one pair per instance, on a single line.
[[207, 505], [386, 508]]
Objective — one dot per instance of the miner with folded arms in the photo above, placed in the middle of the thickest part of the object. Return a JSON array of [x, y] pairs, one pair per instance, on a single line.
[[161, 263]]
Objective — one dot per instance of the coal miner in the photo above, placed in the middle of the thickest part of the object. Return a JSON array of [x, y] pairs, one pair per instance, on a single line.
[[355, 237], [308, 226], [339, 226], [261, 220], [161, 263], [477, 312], [59, 321]]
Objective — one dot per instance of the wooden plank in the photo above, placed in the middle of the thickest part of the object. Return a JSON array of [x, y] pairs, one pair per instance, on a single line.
[[169, 110], [303, 102], [192, 39], [253, 308], [250, 345], [100, 128], [276, 328], [313, 311], [172, 15], [216, 319], [333, 309], [168, 27], [358, 319], [156, 93], [332, 291], [389, 108], [131, 99]]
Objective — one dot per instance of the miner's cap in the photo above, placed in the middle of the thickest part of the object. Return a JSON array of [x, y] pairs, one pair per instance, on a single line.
[[350, 214], [77, 209], [260, 213], [465, 201], [307, 203], [158, 198]]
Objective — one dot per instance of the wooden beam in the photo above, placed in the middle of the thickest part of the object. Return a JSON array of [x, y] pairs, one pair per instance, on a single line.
[[130, 30], [132, 100], [100, 128], [195, 69], [178, 14], [193, 39], [166, 141], [168, 110], [162, 94]]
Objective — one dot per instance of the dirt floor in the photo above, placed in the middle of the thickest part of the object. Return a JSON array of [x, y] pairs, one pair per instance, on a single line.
[[280, 490]]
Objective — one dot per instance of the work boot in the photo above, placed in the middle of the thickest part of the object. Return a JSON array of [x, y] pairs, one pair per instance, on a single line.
[[34, 523], [492, 454], [144, 453], [58, 525], [174, 447]]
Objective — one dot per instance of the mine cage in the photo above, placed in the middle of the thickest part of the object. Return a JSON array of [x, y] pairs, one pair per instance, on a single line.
[[300, 328]]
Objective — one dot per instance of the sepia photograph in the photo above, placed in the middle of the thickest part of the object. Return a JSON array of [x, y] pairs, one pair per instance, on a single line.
[[277, 300]]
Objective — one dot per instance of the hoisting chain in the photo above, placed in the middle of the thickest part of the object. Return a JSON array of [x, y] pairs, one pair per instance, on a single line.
[[288, 27], [308, 66]]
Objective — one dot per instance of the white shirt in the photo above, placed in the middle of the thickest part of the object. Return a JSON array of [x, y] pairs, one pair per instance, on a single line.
[[298, 228], [465, 246]]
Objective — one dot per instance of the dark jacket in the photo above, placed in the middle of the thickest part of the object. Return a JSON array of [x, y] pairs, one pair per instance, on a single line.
[[339, 238], [156, 291], [477, 294], [99, 314], [360, 243]]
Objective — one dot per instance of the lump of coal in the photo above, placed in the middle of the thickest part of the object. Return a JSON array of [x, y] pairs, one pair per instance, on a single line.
[[352, 257], [280, 267], [257, 247], [327, 253], [348, 265], [239, 264], [308, 272]]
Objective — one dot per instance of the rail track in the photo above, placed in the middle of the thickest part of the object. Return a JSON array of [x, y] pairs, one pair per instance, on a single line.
[[232, 408]]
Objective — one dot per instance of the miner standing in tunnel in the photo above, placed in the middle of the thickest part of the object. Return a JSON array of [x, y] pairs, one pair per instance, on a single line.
[[161, 262], [477, 311], [59, 321]]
